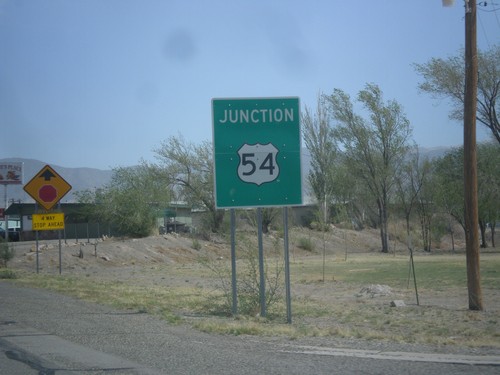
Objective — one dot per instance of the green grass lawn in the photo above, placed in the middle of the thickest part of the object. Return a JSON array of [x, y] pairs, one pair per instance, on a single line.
[[432, 271]]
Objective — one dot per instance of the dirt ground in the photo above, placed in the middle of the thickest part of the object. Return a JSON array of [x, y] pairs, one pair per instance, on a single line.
[[105, 254], [148, 260], [172, 260]]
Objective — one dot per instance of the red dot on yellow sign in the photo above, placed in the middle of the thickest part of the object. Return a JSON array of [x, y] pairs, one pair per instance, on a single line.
[[47, 193], [47, 187]]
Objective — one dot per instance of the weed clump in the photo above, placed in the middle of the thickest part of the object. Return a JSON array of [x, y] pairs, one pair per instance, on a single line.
[[6, 252], [7, 274]]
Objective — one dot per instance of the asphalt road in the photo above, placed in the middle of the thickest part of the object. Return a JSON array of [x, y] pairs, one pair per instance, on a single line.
[[47, 333]]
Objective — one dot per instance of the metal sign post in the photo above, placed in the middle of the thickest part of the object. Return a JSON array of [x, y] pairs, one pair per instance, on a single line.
[[233, 262], [59, 238], [287, 267], [11, 173], [262, 282], [6, 219], [257, 163], [47, 188], [36, 243]]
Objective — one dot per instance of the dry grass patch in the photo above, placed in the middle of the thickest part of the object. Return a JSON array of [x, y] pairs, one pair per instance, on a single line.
[[186, 293]]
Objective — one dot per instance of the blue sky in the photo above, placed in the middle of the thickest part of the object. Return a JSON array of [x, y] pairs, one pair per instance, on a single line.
[[101, 83]]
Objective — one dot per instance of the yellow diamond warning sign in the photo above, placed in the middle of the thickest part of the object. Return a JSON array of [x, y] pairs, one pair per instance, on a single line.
[[51, 221], [47, 187]]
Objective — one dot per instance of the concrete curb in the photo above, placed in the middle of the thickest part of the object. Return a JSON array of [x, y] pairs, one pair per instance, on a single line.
[[397, 356]]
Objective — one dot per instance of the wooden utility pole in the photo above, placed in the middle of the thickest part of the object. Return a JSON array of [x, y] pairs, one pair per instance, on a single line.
[[470, 159]]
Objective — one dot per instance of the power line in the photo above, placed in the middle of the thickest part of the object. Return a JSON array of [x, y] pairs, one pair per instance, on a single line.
[[484, 4], [484, 31], [482, 7], [495, 11]]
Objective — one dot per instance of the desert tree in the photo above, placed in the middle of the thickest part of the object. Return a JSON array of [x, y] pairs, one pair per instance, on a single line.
[[320, 144], [352, 198], [269, 215], [409, 187], [445, 78], [488, 188], [131, 202], [374, 147], [189, 168], [425, 202], [448, 181]]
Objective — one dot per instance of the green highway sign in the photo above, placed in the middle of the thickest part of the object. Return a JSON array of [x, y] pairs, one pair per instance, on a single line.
[[257, 152]]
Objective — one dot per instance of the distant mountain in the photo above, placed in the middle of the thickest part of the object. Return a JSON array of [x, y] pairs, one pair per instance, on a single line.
[[78, 178], [90, 178], [433, 152]]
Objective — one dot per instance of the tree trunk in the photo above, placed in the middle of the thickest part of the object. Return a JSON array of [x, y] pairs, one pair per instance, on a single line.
[[217, 218], [426, 235], [482, 228], [493, 224], [425, 225], [384, 235], [452, 240], [428, 231], [385, 241], [265, 226], [452, 234]]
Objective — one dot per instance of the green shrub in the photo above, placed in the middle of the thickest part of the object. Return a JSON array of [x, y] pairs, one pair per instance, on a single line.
[[6, 252], [196, 244], [320, 226], [7, 274], [248, 280], [306, 244]]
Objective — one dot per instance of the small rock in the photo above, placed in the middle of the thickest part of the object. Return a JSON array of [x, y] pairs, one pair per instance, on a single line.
[[375, 291], [106, 258], [398, 303]]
